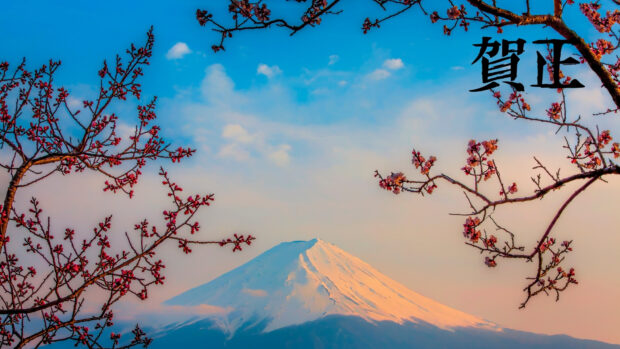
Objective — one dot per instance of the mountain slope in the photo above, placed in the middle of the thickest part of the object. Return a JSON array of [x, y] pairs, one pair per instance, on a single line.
[[312, 294], [350, 332], [301, 281]]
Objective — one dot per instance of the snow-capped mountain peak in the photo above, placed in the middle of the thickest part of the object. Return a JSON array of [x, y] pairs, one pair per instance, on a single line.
[[300, 281]]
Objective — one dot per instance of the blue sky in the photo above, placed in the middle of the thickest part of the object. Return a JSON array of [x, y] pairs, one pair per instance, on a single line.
[[83, 34], [106, 28], [290, 130]]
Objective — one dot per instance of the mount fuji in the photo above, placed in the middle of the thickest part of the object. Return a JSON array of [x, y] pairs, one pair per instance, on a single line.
[[312, 294]]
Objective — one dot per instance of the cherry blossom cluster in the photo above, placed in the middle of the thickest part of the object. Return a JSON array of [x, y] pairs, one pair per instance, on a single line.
[[602, 24], [514, 101], [420, 162], [591, 153], [478, 163], [458, 15], [393, 182]]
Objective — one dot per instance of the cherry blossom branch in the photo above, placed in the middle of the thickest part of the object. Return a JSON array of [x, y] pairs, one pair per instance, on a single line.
[[48, 278]]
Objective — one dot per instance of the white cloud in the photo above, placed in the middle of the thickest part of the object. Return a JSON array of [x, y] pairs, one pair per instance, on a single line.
[[234, 151], [245, 146], [177, 51], [160, 315], [457, 67], [74, 103], [264, 69], [217, 87], [125, 130], [342, 83], [333, 59], [379, 74], [237, 133], [281, 156], [393, 64]]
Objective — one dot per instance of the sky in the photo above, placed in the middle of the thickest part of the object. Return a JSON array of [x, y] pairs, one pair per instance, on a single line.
[[289, 131]]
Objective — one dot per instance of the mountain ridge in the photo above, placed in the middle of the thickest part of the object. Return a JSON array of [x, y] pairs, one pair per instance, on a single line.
[[300, 281], [337, 331]]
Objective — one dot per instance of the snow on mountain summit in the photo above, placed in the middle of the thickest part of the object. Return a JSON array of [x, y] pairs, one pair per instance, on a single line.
[[300, 281]]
